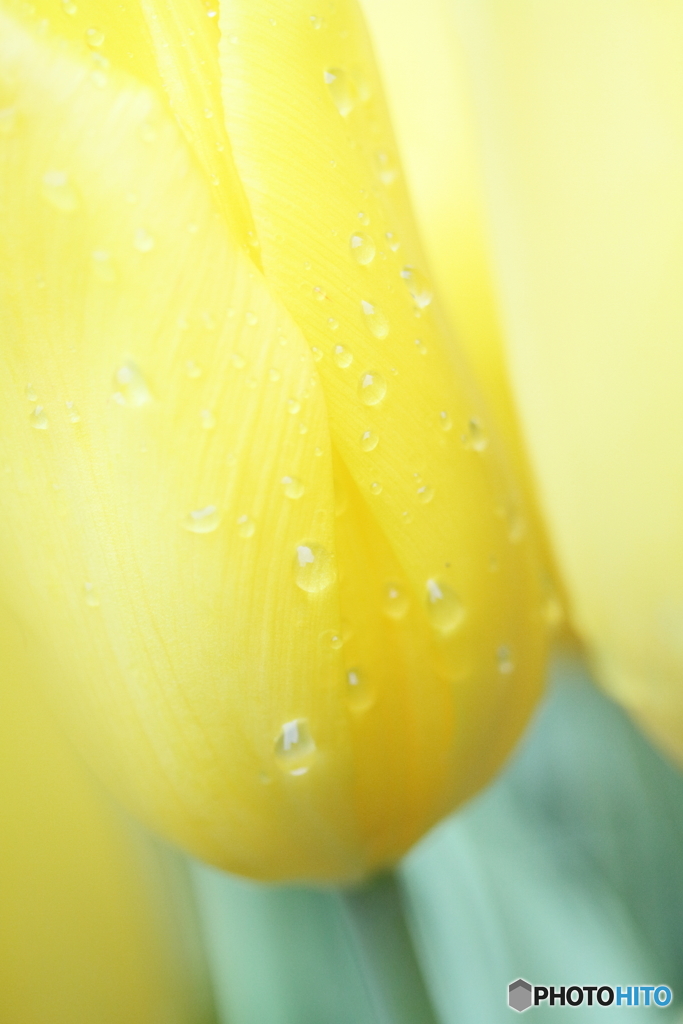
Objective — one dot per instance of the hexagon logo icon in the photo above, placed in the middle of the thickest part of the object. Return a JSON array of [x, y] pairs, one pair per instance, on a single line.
[[519, 995]]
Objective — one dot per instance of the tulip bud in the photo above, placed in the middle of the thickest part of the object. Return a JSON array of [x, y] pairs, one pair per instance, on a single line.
[[258, 520]]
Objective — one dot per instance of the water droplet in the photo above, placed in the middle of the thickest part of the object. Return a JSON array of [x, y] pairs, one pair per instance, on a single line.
[[203, 520], [274, 375], [294, 747], [246, 527], [342, 356], [363, 218], [316, 353], [444, 607], [313, 568], [103, 266], [208, 321], [386, 168], [375, 319], [59, 191], [8, 120], [143, 241], [369, 441], [318, 452], [393, 241], [375, 487], [341, 90], [238, 360], [418, 286], [72, 413], [91, 596], [372, 388], [551, 607], [319, 293], [207, 418], [293, 487], [331, 639], [475, 436], [94, 37], [303, 428], [504, 658], [421, 347], [396, 601], [208, 112], [293, 406], [131, 386], [332, 323], [360, 695], [69, 7], [445, 421], [316, 21], [425, 493], [192, 369], [362, 248], [30, 393], [38, 418], [251, 319]]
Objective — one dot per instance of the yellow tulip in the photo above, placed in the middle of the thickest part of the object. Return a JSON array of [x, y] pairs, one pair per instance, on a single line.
[[256, 516], [582, 127], [96, 921]]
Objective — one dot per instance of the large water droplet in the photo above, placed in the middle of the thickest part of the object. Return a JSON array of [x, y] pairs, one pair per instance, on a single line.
[[313, 568], [59, 191], [342, 357], [375, 487], [444, 607], [504, 658], [372, 388], [295, 747], [360, 694], [246, 527], [202, 520], [375, 319], [131, 386], [341, 90], [38, 418], [293, 487], [362, 248], [369, 441], [396, 601], [418, 286]]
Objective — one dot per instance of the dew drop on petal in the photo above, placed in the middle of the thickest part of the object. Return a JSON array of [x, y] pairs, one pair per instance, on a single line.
[[504, 659], [475, 436], [385, 167], [202, 520], [444, 607], [313, 568], [369, 440], [425, 493], [59, 191], [192, 369], [130, 386], [341, 90], [246, 527], [342, 357], [39, 420], [294, 747], [375, 487], [143, 241], [331, 639], [91, 596], [293, 406], [372, 388], [362, 248], [30, 393], [72, 413], [94, 37], [359, 693], [293, 487], [396, 602], [375, 319], [418, 286], [392, 241], [445, 421]]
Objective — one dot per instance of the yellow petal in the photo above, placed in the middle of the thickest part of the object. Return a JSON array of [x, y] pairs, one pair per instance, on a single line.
[[431, 506], [583, 124], [155, 400], [95, 917]]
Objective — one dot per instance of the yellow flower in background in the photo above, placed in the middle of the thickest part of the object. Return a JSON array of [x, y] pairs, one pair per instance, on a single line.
[[256, 518], [579, 108]]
